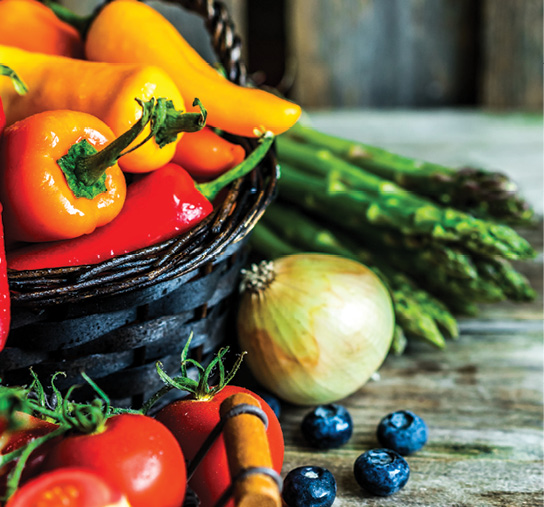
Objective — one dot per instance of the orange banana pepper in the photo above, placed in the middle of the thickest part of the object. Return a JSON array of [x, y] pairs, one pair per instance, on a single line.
[[127, 31], [104, 90], [206, 155], [30, 25]]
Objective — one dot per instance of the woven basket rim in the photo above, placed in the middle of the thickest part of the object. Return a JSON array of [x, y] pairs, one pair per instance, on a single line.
[[243, 205]]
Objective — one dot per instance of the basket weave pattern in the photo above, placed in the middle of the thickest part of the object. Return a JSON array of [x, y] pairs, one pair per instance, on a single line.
[[114, 320]]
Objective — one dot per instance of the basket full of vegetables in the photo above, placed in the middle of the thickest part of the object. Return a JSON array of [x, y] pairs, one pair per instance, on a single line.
[[131, 174]]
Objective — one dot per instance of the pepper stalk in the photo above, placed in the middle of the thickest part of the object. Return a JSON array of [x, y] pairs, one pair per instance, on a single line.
[[85, 167]]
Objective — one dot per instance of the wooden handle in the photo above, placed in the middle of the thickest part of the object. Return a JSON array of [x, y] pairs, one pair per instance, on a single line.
[[247, 447]]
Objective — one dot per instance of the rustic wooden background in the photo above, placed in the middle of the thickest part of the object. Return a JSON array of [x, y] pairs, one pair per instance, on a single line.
[[397, 53], [386, 53]]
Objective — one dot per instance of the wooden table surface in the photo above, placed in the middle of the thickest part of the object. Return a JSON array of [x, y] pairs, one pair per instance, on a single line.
[[482, 397]]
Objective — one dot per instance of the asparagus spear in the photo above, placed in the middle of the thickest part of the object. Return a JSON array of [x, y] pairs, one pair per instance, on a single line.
[[480, 192], [398, 345], [499, 271], [413, 315], [431, 306], [454, 261], [378, 201], [404, 272], [437, 282], [269, 244]]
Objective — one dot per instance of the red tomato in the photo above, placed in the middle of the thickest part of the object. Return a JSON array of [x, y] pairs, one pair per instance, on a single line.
[[28, 430], [69, 487], [135, 453], [191, 421]]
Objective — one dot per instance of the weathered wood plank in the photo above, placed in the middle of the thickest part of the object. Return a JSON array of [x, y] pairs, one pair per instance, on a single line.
[[383, 52], [512, 54], [482, 400]]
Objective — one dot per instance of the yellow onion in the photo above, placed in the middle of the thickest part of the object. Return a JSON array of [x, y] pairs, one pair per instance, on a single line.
[[315, 326]]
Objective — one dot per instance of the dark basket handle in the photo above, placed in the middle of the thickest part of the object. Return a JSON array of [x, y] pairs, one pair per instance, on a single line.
[[225, 42]]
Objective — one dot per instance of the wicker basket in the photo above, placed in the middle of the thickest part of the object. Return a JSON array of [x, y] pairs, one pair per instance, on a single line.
[[114, 320]]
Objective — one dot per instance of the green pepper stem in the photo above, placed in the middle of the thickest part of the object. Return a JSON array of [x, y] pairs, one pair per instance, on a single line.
[[85, 168], [174, 122], [18, 83], [210, 189], [88, 169]]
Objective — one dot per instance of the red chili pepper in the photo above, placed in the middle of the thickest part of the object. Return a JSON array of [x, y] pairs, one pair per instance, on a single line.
[[206, 155], [5, 301], [161, 205]]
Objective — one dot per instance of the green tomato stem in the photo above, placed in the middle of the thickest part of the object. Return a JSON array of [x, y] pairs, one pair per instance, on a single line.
[[199, 389]]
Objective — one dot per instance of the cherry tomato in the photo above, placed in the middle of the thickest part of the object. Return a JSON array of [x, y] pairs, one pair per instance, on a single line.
[[191, 421], [135, 453], [69, 487], [29, 428]]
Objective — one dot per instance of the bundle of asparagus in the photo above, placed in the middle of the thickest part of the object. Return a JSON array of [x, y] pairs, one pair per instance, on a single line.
[[388, 212], [483, 193]]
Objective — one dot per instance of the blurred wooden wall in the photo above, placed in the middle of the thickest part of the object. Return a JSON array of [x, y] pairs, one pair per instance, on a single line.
[[397, 53], [511, 39]]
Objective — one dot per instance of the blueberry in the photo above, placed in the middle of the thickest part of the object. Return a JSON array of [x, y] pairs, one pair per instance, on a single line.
[[381, 471], [309, 486], [327, 426], [402, 431], [272, 401]]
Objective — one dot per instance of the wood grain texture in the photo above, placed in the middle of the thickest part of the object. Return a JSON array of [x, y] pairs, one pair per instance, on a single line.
[[512, 54], [482, 400], [382, 52]]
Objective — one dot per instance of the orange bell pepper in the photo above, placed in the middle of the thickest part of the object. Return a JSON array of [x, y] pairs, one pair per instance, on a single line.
[[127, 31], [54, 183], [39, 204], [30, 25], [104, 90]]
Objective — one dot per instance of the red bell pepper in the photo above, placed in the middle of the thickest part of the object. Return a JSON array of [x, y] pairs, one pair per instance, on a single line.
[[159, 206], [5, 302]]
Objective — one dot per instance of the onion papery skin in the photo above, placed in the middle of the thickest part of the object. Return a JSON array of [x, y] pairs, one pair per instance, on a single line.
[[318, 331]]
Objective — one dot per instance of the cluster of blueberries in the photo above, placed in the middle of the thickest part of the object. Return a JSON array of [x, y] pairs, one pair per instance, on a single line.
[[381, 471]]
